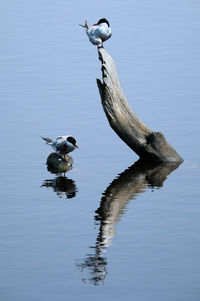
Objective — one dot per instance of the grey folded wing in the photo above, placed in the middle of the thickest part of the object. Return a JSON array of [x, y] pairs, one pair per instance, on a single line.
[[60, 145]]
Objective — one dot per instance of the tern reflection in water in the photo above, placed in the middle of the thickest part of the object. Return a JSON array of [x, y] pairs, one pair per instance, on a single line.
[[133, 181], [64, 187]]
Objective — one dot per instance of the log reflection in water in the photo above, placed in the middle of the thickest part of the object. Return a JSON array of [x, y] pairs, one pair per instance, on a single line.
[[64, 187], [125, 187]]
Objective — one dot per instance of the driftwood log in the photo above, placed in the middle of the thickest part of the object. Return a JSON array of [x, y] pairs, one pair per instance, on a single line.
[[147, 144]]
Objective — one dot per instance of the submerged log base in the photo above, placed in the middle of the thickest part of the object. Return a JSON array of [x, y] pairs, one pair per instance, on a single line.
[[55, 164], [148, 145]]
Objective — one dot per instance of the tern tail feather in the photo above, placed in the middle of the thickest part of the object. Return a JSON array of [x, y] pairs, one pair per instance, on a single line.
[[85, 25], [48, 140]]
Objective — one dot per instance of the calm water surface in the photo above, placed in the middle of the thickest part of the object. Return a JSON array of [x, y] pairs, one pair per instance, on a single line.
[[111, 229]]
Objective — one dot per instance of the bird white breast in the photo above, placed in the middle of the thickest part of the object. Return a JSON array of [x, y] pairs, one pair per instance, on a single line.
[[103, 31], [98, 34]]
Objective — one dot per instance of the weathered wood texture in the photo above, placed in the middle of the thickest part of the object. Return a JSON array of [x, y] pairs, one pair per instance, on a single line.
[[142, 140]]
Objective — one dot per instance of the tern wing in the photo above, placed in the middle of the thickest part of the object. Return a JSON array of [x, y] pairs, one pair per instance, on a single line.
[[60, 145], [93, 35]]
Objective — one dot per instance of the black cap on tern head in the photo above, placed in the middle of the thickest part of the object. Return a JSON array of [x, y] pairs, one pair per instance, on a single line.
[[103, 20], [72, 140]]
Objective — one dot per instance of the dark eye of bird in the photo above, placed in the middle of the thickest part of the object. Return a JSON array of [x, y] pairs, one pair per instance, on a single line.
[[71, 140]]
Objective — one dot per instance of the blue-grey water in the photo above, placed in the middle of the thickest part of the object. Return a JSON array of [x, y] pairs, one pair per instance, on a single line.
[[98, 235]]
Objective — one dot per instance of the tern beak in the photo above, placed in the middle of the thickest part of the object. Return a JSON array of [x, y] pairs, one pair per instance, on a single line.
[[76, 146], [95, 24]]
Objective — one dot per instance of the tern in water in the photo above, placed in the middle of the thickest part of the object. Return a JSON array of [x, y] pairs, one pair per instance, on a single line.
[[62, 145], [99, 32]]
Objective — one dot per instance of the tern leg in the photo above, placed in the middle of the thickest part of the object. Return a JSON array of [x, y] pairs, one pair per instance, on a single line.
[[100, 45]]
